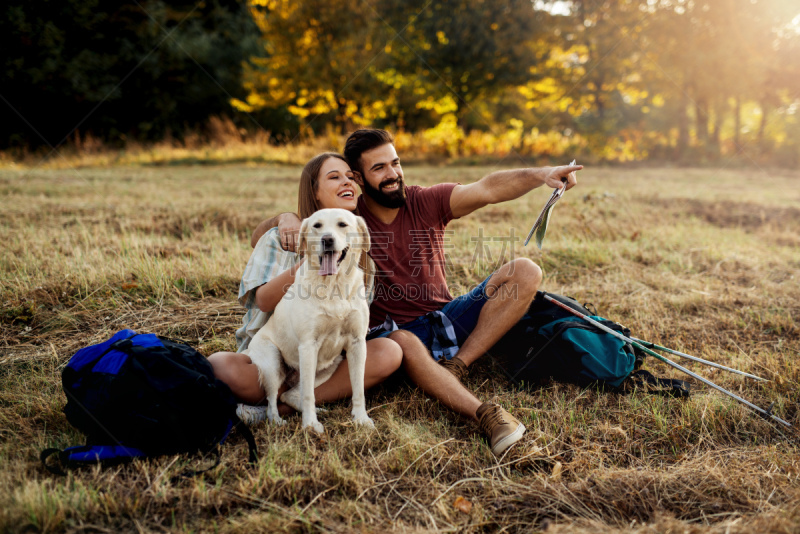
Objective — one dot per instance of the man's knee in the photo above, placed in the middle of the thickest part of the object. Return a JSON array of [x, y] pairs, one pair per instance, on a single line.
[[413, 349], [526, 276], [518, 279], [403, 337]]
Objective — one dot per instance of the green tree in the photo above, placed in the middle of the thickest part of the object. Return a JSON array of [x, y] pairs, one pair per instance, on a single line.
[[454, 53], [316, 60], [118, 69], [713, 57]]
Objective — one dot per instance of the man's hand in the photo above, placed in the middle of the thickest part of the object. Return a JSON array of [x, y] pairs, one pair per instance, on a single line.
[[501, 186], [556, 174], [289, 229]]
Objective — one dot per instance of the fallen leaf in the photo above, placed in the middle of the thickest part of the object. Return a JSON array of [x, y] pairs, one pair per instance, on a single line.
[[535, 451], [556, 474], [462, 505]]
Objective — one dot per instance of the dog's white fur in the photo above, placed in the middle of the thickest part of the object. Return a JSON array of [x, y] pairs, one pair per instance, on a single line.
[[318, 318]]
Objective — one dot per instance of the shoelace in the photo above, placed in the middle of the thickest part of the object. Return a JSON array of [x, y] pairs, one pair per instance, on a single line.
[[491, 418], [456, 367]]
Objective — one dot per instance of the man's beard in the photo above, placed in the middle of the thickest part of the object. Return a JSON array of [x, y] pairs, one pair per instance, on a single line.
[[392, 200]]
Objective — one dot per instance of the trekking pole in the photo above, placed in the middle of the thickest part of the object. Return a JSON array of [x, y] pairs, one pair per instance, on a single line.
[[696, 359], [763, 412]]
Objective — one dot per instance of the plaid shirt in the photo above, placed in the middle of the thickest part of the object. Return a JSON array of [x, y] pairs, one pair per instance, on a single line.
[[444, 343], [267, 261]]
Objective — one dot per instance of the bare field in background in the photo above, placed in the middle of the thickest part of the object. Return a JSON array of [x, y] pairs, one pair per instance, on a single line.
[[704, 261]]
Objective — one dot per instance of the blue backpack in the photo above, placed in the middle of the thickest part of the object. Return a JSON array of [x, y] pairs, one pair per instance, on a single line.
[[138, 396], [549, 342]]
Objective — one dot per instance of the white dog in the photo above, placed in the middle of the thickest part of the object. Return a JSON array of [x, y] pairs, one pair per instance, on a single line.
[[324, 312]]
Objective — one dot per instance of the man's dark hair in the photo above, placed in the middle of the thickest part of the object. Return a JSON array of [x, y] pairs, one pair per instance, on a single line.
[[361, 141]]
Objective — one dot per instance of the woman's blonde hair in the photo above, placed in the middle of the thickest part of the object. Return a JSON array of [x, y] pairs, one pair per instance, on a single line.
[[307, 202]]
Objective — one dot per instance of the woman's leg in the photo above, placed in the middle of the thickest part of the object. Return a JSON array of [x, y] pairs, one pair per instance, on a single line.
[[384, 357], [239, 373]]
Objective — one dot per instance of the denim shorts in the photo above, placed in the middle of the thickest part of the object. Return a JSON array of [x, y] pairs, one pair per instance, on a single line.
[[462, 311]]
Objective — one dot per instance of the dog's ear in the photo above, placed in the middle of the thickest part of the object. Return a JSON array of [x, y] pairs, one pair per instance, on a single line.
[[303, 238], [363, 234]]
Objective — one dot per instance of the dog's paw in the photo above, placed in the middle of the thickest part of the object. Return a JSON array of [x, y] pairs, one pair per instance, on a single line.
[[278, 421], [363, 420], [314, 426], [275, 419]]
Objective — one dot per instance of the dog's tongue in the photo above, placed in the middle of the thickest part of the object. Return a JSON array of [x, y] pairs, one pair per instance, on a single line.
[[328, 264]]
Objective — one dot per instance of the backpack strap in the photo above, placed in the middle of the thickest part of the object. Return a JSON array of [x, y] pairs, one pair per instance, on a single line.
[[84, 455], [244, 430], [645, 381], [55, 469], [251, 445], [190, 473]]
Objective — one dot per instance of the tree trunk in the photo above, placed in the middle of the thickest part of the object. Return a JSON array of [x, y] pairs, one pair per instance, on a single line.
[[762, 126], [714, 147], [683, 124], [737, 124], [461, 122], [599, 100], [342, 118], [461, 115], [701, 121], [601, 107]]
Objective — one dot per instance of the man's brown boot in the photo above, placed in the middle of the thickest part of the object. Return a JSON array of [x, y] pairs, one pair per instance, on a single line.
[[500, 427], [456, 367]]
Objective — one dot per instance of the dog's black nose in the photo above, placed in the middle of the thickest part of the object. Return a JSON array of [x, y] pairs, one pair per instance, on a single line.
[[327, 242]]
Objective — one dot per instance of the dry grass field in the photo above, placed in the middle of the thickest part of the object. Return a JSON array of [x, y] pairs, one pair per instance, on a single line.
[[704, 261]]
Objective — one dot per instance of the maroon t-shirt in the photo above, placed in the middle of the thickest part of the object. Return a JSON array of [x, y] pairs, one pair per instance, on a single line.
[[409, 255]]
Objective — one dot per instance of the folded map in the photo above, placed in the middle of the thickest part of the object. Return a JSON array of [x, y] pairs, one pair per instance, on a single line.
[[540, 226]]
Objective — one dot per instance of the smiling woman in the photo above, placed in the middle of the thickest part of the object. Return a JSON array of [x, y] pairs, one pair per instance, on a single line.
[[336, 186], [326, 182]]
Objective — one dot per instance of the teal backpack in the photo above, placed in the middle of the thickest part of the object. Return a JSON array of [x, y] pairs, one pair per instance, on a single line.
[[549, 342]]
